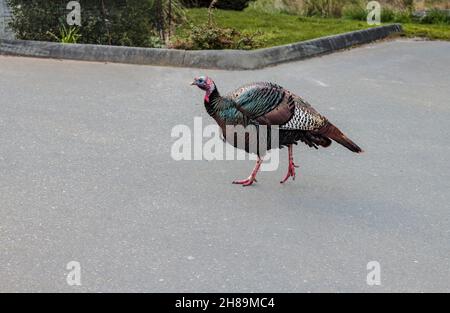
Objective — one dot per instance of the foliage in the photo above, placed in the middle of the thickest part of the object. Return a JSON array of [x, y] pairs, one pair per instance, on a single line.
[[34, 20], [359, 12], [208, 36], [155, 42], [138, 22], [276, 6], [355, 12], [323, 8], [319, 8], [387, 15], [436, 16], [212, 37], [394, 10], [403, 16], [221, 4], [67, 35], [402, 12], [113, 22]]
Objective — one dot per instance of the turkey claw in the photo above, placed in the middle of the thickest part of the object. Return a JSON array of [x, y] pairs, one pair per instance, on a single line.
[[290, 173], [245, 182]]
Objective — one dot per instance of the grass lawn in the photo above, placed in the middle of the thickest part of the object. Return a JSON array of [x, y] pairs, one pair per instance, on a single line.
[[441, 32], [280, 29]]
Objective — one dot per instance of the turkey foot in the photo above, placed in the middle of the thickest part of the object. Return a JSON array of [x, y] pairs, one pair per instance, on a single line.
[[290, 173], [252, 178], [246, 182]]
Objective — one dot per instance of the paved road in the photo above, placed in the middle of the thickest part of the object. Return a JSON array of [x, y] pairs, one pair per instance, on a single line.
[[86, 175]]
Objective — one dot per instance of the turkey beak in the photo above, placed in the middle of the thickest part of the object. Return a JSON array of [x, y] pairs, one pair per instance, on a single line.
[[193, 83]]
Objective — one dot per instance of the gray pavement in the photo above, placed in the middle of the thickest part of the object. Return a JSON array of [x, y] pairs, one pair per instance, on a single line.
[[86, 175]]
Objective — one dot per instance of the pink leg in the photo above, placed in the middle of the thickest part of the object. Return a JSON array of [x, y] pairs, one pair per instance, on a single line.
[[291, 167], [252, 178]]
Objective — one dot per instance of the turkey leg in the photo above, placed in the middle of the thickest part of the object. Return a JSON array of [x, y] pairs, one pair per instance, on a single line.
[[291, 167]]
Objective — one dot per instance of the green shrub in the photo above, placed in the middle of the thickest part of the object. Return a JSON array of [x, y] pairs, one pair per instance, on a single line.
[[404, 16], [359, 12], [35, 20], [271, 6], [436, 16], [155, 42], [323, 8], [212, 37], [293, 7], [113, 22], [355, 12], [387, 14]]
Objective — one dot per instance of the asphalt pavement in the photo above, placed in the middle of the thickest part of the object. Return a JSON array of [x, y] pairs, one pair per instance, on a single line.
[[87, 175]]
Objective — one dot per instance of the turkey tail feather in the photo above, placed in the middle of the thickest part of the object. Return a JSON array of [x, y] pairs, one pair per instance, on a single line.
[[334, 133]]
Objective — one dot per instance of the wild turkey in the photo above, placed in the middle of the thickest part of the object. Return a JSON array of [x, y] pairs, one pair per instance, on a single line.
[[266, 103]]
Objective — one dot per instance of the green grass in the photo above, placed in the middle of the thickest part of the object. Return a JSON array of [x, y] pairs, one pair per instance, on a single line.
[[277, 28], [280, 28], [440, 32]]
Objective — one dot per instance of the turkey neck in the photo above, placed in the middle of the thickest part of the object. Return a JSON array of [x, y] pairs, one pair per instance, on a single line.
[[222, 109], [212, 102]]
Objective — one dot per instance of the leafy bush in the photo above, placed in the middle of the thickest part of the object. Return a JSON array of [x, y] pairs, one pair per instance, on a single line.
[[113, 22], [212, 37], [319, 8], [404, 16], [323, 8], [274, 6], [436, 16], [355, 12], [34, 20], [387, 15], [359, 12], [155, 42]]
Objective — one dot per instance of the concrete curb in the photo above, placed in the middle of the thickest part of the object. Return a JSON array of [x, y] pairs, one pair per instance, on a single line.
[[214, 59]]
